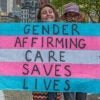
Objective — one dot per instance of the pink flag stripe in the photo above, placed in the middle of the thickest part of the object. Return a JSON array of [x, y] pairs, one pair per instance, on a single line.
[[54, 42], [50, 70]]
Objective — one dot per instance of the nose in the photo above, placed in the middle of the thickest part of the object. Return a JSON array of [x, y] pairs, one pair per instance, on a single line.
[[48, 13], [73, 18]]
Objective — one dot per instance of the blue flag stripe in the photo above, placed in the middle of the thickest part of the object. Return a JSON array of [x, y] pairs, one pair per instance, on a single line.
[[49, 84], [49, 29]]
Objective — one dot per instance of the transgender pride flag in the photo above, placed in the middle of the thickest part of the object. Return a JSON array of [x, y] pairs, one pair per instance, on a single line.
[[50, 57]]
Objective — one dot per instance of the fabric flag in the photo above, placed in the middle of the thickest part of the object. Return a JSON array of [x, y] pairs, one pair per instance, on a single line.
[[50, 57]]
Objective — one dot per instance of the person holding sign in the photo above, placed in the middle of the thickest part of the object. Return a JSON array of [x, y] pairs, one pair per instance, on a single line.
[[72, 14], [47, 13]]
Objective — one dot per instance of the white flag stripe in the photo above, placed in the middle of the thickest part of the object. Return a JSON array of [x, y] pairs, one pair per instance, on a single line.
[[57, 56]]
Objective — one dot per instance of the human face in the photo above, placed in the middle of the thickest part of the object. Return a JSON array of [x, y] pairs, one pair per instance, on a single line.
[[47, 14], [71, 17]]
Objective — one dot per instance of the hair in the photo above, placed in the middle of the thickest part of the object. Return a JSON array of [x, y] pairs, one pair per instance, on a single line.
[[47, 5]]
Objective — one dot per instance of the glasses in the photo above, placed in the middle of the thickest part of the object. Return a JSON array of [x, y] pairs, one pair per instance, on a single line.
[[72, 16]]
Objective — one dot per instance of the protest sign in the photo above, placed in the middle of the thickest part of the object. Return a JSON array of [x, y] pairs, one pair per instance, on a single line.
[[50, 57]]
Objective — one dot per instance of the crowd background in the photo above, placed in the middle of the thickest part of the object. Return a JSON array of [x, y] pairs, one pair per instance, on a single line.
[[26, 10]]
